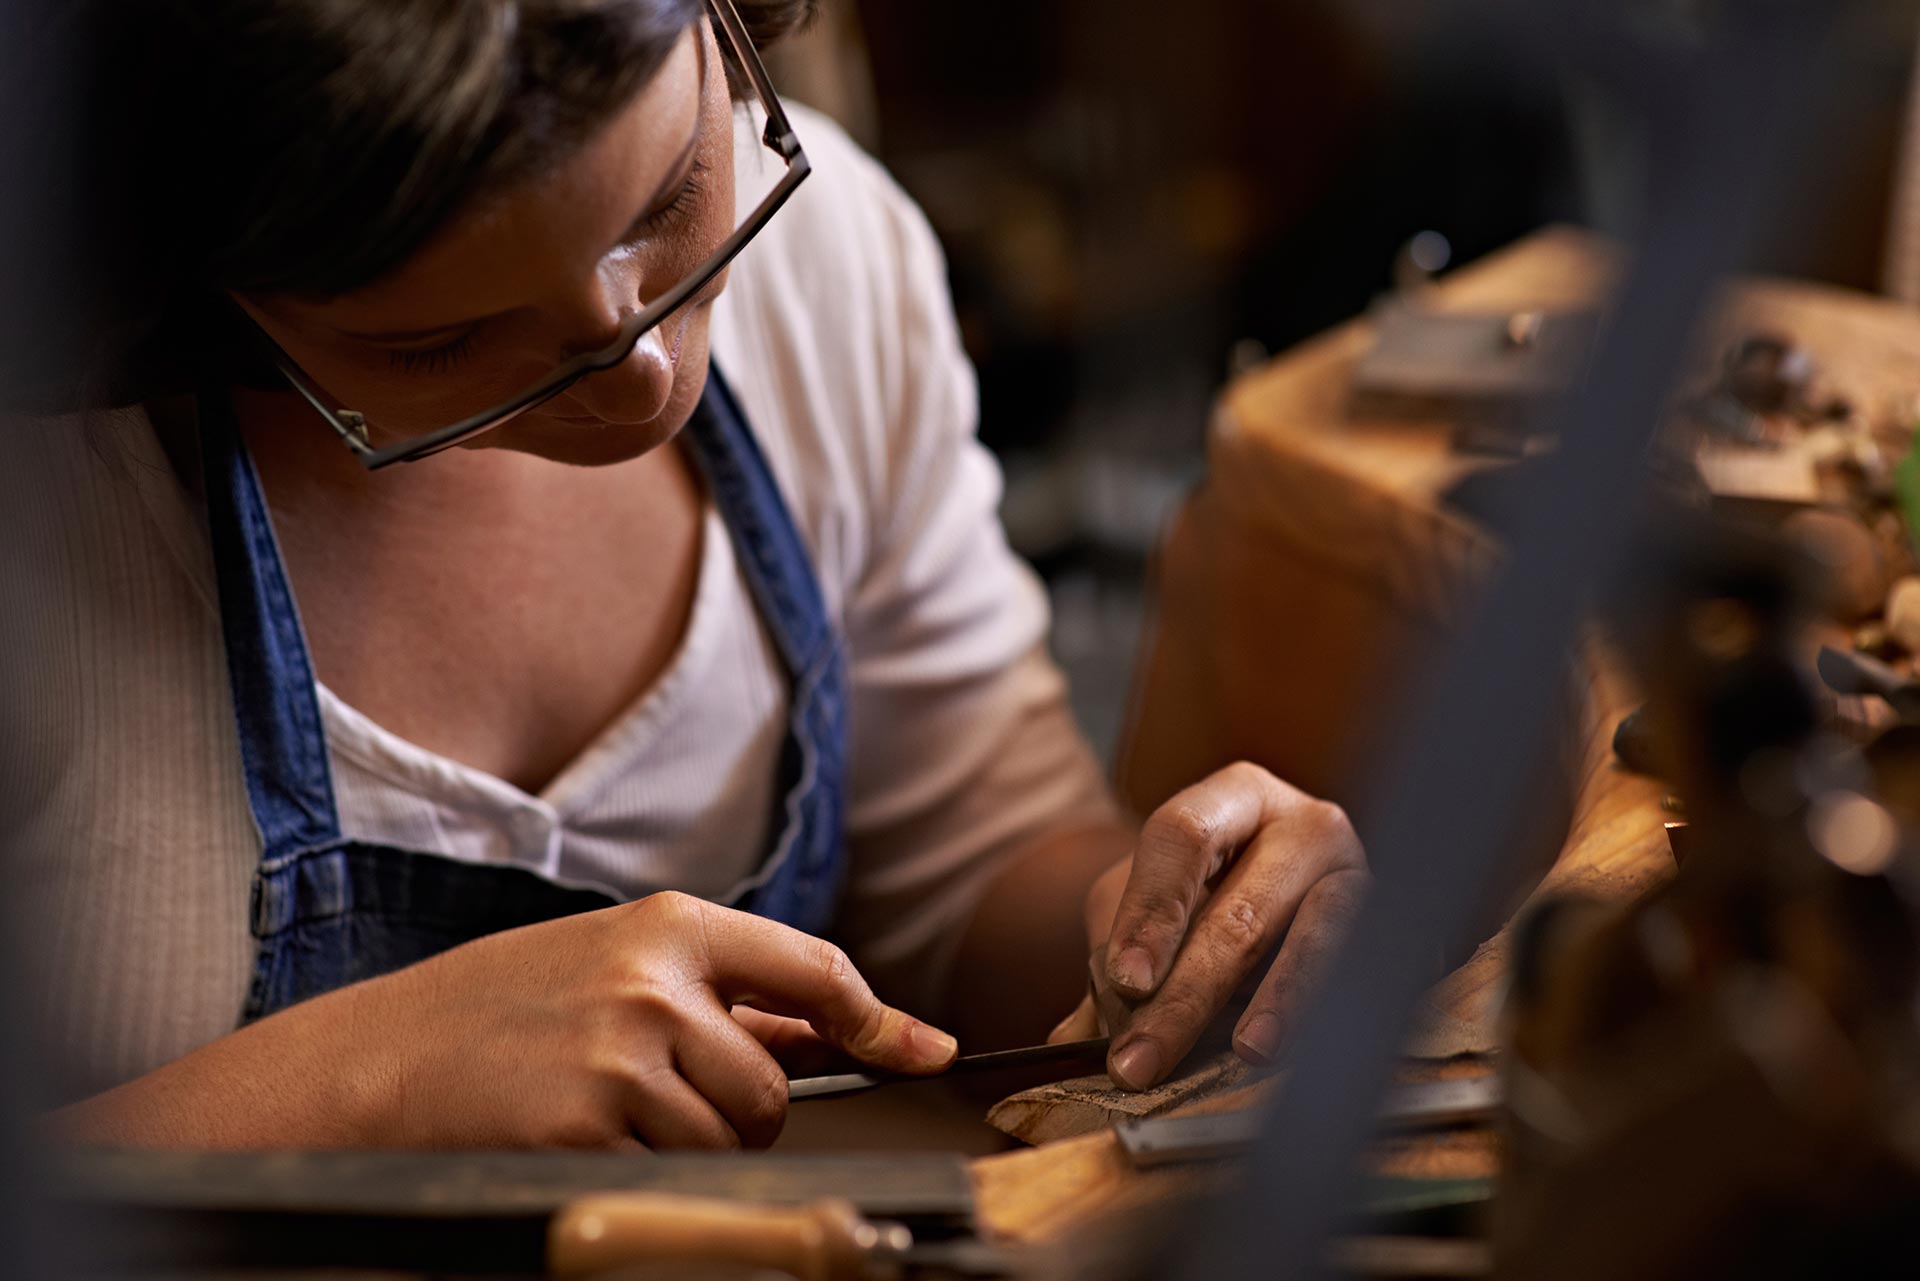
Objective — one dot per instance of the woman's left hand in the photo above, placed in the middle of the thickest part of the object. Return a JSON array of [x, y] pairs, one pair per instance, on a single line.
[[1221, 873]]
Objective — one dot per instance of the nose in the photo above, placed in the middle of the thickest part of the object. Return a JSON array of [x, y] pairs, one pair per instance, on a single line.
[[638, 388]]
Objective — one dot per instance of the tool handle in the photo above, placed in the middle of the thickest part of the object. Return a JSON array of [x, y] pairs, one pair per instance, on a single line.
[[824, 1240], [1848, 673]]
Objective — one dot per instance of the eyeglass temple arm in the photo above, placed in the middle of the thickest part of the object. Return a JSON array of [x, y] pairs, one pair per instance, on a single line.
[[779, 133]]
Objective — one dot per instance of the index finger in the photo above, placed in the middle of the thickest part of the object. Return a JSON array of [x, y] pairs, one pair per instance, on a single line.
[[1184, 844], [773, 967]]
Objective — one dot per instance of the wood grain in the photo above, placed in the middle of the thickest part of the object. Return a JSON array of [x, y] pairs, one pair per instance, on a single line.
[[1044, 1193]]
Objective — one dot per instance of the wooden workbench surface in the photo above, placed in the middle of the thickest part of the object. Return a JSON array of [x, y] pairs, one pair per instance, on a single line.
[[1304, 503]]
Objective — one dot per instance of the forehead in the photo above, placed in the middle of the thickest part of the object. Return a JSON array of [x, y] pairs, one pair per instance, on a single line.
[[514, 247]]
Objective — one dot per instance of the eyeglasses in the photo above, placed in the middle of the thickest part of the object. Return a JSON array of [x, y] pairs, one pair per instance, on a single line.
[[351, 425]]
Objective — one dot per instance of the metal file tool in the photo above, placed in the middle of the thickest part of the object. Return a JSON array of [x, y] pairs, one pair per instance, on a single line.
[[1075, 1057], [1170, 1140]]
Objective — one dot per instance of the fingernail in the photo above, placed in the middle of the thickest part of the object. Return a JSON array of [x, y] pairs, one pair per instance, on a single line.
[[932, 1046], [1137, 1066], [1133, 970], [1259, 1040]]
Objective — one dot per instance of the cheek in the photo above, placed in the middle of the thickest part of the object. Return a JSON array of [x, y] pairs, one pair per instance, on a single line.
[[713, 219]]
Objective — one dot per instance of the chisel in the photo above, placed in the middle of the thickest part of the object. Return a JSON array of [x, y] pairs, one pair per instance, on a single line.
[[1072, 1055]]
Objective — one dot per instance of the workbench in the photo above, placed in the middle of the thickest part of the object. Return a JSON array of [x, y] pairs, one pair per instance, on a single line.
[[1296, 588]]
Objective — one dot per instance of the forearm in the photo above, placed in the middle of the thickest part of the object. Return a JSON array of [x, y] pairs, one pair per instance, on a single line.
[[1022, 963], [295, 1080]]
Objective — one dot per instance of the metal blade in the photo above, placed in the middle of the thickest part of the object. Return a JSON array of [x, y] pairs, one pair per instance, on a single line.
[[1169, 1140], [1075, 1054]]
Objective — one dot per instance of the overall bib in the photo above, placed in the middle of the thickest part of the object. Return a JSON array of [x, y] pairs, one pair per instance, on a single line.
[[328, 911]]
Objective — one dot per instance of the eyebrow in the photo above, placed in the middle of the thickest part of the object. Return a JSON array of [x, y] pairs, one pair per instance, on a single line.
[[677, 171]]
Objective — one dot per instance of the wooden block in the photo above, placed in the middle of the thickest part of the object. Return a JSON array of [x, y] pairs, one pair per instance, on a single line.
[[1049, 1193], [1767, 476], [1065, 1109]]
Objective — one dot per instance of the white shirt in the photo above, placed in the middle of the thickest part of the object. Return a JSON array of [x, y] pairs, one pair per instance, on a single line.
[[122, 810]]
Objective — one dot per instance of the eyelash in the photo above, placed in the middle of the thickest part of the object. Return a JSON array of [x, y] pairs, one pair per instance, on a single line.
[[438, 360], [681, 205], [432, 360]]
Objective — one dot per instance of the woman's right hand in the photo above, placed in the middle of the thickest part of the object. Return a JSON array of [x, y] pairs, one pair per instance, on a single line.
[[610, 1029]]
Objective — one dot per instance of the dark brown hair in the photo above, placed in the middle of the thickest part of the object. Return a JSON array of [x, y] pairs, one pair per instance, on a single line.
[[282, 146]]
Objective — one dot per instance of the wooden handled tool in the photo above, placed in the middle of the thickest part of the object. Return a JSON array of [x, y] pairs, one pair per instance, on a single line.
[[826, 1240], [494, 1213]]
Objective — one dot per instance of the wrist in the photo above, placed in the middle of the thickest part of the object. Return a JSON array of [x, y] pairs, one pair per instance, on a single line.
[[352, 1052]]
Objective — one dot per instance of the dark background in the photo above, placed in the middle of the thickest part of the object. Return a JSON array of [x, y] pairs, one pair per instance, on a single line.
[[1137, 198]]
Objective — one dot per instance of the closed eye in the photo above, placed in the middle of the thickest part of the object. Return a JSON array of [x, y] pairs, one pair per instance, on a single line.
[[675, 211], [655, 222], [431, 360]]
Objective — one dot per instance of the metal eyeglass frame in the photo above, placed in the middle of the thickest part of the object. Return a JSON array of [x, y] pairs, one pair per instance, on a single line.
[[351, 425]]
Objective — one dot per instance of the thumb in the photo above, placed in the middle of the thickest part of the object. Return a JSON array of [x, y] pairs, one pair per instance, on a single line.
[[779, 970], [877, 1034]]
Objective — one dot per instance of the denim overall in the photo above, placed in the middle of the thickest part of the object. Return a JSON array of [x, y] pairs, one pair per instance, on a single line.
[[328, 911]]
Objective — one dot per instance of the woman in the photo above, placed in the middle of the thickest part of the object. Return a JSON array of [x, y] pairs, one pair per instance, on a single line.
[[684, 638]]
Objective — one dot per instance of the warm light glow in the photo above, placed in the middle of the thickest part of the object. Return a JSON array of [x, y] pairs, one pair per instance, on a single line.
[[1854, 833]]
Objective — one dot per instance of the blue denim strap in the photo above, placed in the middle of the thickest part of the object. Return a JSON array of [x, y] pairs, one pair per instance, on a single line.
[[778, 570], [283, 747], [800, 881]]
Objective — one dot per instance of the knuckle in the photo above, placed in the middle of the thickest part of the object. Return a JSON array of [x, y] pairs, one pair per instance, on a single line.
[[653, 1006], [1245, 773], [672, 906], [1332, 816], [1331, 821], [1181, 827], [850, 1005], [836, 968], [1239, 926], [686, 922], [765, 1112]]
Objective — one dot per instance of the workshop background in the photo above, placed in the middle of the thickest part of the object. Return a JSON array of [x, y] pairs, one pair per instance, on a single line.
[[1138, 200]]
